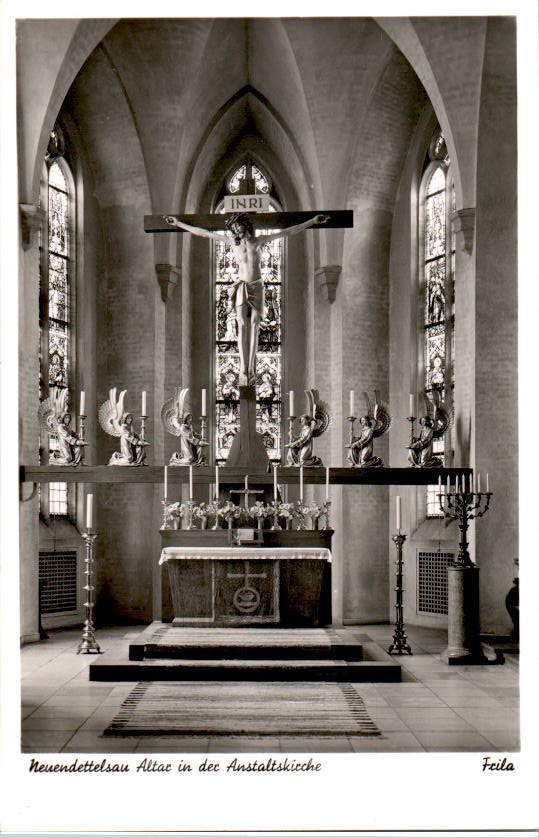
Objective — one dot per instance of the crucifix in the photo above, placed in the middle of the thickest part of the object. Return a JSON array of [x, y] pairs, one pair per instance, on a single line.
[[247, 293]]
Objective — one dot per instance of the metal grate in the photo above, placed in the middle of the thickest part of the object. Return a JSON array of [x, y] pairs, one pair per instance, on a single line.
[[432, 582], [59, 572]]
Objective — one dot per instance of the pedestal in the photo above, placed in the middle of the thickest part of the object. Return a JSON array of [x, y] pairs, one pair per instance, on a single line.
[[248, 450], [463, 643]]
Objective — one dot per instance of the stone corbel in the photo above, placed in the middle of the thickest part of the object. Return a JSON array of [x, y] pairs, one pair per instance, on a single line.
[[328, 277], [32, 218], [463, 221], [168, 277]]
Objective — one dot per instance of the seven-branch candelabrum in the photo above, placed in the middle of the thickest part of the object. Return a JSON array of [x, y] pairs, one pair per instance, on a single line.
[[400, 641], [463, 506], [88, 643]]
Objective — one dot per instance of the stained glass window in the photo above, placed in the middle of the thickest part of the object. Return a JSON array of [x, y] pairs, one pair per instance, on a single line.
[[269, 357], [438, 294], [59, 304]]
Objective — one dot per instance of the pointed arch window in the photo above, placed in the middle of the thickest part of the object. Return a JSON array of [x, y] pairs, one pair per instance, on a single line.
[[437, 263], [248, 178], [56, 295]]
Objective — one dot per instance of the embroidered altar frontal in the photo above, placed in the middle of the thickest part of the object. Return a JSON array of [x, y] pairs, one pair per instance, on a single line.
[[249, 586]]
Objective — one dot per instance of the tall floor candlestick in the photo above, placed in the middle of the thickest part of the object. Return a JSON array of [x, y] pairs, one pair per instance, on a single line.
[[88, 644], [400, 642]]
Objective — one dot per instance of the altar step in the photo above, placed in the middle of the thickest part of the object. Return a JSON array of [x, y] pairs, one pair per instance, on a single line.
[[169, 653]]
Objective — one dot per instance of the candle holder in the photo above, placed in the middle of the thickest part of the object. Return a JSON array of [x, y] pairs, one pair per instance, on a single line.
[[275, 511], [327, 510], [291, 420], [143, 428], [351, 420], [400, 642], [164, 504], [216, 512], [190, 508], [82, 437], [411, 420], [203, 428], [464, 507], [88, 644]]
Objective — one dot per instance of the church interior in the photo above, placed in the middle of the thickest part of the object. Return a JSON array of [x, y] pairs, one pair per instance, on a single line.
[[398, 308]]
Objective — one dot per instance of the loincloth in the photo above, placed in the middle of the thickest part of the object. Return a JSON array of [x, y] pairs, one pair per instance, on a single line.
[[249, 293]]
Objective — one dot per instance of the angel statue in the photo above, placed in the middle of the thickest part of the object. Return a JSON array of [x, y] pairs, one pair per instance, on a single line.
[[433, 426], [180, 423], [55, 419], [116, 422], [374, 422], [312, 424]]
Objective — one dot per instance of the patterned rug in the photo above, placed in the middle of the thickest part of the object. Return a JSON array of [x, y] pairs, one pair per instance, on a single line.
[[202, 708]]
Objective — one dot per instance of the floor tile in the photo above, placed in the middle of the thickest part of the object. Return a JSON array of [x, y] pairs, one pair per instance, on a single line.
[[433, 719], [51, 723], [44, 741], [451, 741], [237, 744], [173, 744], [300, 744], [392, 742]]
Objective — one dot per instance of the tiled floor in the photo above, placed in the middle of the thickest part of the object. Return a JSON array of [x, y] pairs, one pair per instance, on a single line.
[[435, 708]]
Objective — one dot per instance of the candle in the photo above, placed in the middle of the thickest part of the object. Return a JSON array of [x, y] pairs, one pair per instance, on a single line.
[[217, 481], [89, 510], [190, 482], [301, 482], [144, 402], [457, 484], [487, 481], [165, 492], [291, 403], [411, 405], [398, 514], [82, 403], [439, 485], [274, 482], [246, 481], [210, 493], [448, 487], [327, 482], [478, 482], [203, 402], [471, 484], [352, 395]]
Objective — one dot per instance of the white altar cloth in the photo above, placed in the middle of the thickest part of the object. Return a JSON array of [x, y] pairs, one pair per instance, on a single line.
[[246, 553]]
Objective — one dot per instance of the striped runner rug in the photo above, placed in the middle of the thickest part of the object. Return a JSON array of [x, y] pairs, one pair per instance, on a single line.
[[276, 708]]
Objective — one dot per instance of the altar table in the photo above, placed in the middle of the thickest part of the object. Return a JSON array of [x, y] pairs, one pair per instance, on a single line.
[[226, 586]]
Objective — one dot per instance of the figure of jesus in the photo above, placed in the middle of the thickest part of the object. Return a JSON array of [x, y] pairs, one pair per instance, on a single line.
[[248, 290]]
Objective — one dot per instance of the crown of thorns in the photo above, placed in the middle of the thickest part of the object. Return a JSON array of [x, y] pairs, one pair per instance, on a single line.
[[239, 218]]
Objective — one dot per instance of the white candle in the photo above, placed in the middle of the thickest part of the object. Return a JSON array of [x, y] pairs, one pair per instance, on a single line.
[[291, 394], [471, 484], [210, 493], [301, 482], [447, 489], [487, 481], [165, 489], [203, 402], [352, 395], [457, 484], [144, 402], [274, 482], [82, 403], [478, 482], [327, 482], [190, 482], [411, 405], [398, 514], [217, 481], [89, 511], [246, 482]]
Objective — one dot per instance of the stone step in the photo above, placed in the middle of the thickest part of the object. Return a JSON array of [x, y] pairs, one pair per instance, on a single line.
[[245, 670]]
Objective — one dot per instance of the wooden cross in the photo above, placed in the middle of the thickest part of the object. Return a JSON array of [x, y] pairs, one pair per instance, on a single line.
[[260, 220]]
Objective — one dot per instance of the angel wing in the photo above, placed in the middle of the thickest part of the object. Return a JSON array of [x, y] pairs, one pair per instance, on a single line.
[[173, 408], [52, 407], [381, 415], [111, 412], [319, 412], [442, 418]]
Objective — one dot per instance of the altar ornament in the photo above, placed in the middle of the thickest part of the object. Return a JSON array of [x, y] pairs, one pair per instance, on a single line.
[[55, 419], [179, 422], [434, 425], [463, 506], [230, 512], [400, 642], [115, 421], [312, 424], [375, 422], [202, 512], [301, 513], [259, 511], [275, 507], [286, 511], [88, 644]]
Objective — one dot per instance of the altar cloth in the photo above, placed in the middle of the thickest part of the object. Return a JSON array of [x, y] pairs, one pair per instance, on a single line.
[[246, 553]]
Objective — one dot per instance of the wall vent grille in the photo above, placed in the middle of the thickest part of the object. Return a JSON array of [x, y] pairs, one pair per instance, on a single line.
[[432, 581], [59, 571]]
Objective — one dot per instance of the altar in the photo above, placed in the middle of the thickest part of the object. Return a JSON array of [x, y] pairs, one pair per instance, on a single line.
[[220, 584]]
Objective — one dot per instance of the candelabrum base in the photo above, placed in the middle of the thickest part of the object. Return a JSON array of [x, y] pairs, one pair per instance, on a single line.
[[88, 644], [400, 644]]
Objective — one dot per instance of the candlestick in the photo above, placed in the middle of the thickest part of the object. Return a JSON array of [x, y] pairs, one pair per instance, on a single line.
[[89, 511], [352, 396], [190, 482], [292, 403], [301, 482], [275, 483], [204, 403], [400, 642], [327, 483], [82, 403], [88, 643], [165, 487], [217, 482], [144, 403]]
